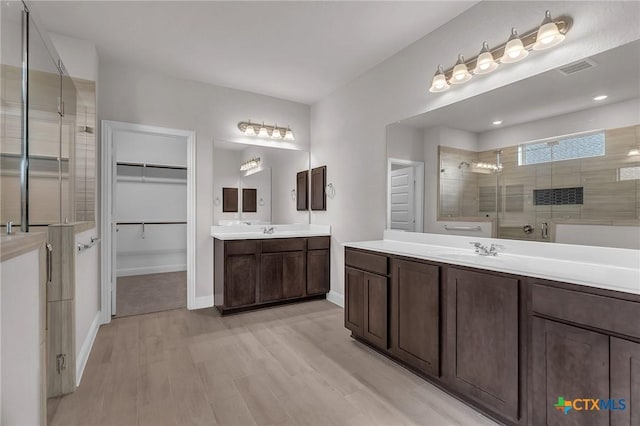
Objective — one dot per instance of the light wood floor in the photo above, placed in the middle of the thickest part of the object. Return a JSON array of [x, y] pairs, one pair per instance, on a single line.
[[292, 365]]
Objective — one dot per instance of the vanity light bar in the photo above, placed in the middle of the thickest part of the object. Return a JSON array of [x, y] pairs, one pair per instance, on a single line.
[[266, 131], [250, 164], [550, 33]]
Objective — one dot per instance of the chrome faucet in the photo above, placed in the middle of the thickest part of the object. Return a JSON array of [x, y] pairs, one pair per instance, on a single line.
[[9, 228], [483, 250], [268, 230]]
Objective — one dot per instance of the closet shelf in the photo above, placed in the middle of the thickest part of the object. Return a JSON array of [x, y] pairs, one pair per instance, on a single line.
[[152, 223], [155, 166], [33, 157]]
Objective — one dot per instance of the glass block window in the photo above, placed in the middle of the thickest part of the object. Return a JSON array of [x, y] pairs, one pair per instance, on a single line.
[[584, 146], [629, 173]]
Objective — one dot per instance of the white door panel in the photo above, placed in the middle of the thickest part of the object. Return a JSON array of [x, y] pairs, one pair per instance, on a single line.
[[402, 199]]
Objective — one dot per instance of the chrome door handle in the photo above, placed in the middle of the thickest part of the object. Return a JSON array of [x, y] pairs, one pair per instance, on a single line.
[[49, 249], [544, 230]]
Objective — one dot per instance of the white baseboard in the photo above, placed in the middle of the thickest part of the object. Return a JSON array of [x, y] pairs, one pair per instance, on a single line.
[[150, 270], [336, 298], [85, 349], [202, 302]]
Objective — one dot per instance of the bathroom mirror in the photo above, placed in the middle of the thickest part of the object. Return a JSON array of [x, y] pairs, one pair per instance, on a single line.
[[268, 176], [554, 158]]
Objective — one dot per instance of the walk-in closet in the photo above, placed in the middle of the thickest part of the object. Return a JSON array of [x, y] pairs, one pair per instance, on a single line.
[[151, 222]]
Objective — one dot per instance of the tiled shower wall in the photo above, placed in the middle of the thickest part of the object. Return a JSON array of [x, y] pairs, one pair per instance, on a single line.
[[608, 199]]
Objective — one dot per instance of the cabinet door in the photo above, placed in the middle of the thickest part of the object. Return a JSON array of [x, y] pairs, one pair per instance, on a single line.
[[271, 277], [354, 301], [376, 316], [293, 274], [568, 363], [415, 318], [240, 280], [625, 382], [318, 272], [302, 190], [483, 338], [318, 183]]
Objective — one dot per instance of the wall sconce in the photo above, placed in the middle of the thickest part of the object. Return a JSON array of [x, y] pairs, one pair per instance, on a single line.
[[550, 33], [250, 164], [266, 131]]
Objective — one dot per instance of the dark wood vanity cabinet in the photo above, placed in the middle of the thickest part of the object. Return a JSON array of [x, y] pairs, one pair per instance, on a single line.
[[282, 276], [568, 362], [318, 266], [367, 297], [483, 338], [257, 273], [584, 345], [415, 314]]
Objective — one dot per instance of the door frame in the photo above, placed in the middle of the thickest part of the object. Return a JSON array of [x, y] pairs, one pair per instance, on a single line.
[[419, 190], [107, 212]]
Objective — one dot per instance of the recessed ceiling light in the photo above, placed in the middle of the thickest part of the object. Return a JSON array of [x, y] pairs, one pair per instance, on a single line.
[[600, 97], [497, 122]]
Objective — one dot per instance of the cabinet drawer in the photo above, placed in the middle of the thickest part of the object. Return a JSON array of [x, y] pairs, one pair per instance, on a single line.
[[241, 247], [318, 243], [283, 244], [367, 261], [606, 313]]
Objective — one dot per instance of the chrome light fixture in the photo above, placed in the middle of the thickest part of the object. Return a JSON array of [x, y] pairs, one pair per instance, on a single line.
[[439, 81], [266, 131], [514, 51], [275, 133], [263, 132], [550, 33], [485, 62], [250, 164], [460, 72], [249, 130], [288, 135]]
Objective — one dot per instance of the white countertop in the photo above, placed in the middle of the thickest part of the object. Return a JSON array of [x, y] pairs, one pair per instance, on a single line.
[[255, 232], [617, 269]]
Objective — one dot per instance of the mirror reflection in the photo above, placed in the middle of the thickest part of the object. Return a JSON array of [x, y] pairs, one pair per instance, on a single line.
[[271, 172], [559, 165]]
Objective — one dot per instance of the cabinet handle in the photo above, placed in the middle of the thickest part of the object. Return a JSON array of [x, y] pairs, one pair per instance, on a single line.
[[49, 248]]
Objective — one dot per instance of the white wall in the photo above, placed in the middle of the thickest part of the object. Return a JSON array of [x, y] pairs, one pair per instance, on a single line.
[[348, 127], [137, 95], [612, 116], [21, 369], [87, 299], [404, 142]]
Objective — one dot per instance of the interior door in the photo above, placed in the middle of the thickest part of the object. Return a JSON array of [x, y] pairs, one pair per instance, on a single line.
[[402, 192]]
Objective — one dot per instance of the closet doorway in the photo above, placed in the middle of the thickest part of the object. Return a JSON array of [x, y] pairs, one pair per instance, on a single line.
[[148, 195]]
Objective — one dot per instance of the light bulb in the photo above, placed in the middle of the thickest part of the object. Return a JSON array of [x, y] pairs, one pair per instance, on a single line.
[[439, 82], [485, 62], [634, 151], [275, 134], [548, 34], [460, 72], [249, 130], [288, 135], [263, 133], [514, 51]]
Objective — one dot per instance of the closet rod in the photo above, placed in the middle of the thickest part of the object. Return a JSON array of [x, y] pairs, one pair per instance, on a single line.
[[155, 166], [151, 223]]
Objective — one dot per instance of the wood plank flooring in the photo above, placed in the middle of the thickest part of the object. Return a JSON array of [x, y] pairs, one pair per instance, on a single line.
[[291, 365]]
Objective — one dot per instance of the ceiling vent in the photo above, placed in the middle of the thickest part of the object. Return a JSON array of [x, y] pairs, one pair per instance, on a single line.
[[575, 67]]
